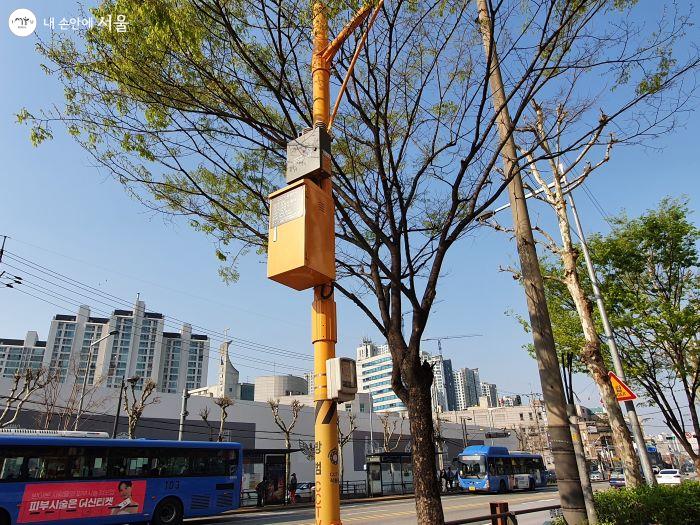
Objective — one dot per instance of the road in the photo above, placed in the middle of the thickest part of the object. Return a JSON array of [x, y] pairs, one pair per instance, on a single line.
[[400, 512]]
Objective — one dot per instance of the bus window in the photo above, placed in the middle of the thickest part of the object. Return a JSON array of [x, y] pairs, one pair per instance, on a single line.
[[46, 463], [128, 462], [170, 463], [11, 465], [87, 463], [472, 466], [207, 463]]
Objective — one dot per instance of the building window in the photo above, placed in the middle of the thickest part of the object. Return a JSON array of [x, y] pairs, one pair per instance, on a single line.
[[522, 418]]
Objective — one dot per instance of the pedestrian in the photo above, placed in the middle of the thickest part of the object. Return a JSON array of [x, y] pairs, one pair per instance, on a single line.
[[261, 491], [450, 478], [443, 480], [293, 489]]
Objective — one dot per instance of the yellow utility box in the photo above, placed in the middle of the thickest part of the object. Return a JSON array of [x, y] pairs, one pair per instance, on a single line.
[[301, 248]]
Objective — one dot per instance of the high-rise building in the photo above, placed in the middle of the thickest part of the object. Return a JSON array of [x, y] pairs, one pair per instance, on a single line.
[[19, 354], [467, 388], [374, 377], [443, 382], [174, 360], [489, 391]]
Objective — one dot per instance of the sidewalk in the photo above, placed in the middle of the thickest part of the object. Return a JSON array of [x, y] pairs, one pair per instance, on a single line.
[[310, 504]]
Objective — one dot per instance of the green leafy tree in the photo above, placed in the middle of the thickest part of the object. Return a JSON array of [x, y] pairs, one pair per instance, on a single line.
[[192, 107], [650, 276]]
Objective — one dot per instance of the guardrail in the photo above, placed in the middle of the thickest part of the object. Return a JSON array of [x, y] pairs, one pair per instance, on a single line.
[[501, 515]]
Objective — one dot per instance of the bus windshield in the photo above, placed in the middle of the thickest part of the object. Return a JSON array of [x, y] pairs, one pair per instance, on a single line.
[[472, 466]]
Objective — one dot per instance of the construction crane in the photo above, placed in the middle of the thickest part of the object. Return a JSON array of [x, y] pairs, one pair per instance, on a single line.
[[441, 339]]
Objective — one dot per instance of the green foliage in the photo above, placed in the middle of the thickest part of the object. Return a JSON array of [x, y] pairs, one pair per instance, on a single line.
[[649, 269], [566, 325], [645, 505]]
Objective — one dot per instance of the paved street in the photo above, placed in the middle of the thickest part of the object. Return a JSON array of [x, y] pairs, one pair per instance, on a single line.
[[402, 512]]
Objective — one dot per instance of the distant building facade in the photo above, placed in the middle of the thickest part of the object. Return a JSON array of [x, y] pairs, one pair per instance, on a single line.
[[174, 360], [275, 387], [510, 401], [467, 387], [19, 354], [490, 392], [443, 382], [374, 377], [228, 384]]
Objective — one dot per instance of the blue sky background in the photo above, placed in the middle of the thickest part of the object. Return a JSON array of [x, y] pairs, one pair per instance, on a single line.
[[64, 214]]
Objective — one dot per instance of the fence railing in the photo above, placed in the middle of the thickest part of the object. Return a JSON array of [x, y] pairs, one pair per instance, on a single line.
[[501, 515]]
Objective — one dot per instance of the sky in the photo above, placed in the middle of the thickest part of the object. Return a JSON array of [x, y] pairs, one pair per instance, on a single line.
[[63, 213]]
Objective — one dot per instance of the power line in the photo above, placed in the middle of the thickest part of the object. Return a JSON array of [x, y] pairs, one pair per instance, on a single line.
[[208, 355], [214, 334], [187, 293]]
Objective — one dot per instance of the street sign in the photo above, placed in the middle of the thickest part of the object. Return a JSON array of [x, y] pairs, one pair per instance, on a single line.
[[622, 391]]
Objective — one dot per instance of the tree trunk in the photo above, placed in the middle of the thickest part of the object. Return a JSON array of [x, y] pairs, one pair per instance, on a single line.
[[287, 463], [593, 359], [425, 482], [581, 462]]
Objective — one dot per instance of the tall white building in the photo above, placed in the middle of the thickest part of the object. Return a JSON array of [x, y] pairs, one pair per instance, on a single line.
[[141, 347], [374, 377], [490, 392], [467, 387], [443, 382], [19, 354]]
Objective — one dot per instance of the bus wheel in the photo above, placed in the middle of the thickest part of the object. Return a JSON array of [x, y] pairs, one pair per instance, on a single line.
[[168, 512], [502, 489], [4, 518]]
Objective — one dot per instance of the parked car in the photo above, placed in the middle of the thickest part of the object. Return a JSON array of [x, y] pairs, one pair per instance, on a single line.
[[669, 476], [306, 491], [596, 475], [617, 479]]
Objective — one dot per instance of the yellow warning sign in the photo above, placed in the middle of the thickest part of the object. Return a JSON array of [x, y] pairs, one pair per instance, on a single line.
[[622, 391]]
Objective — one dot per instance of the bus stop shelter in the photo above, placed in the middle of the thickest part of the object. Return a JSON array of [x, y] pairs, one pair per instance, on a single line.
[[389, 473], [268, 463]]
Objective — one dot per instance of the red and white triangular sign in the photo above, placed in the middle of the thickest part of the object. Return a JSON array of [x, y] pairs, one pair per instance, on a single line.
[[622, 391]]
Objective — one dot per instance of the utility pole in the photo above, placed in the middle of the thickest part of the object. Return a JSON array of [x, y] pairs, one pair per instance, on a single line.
[[323, 311], [183, 413], [573, 504], [637, 433], [88, 364], [119, 407]]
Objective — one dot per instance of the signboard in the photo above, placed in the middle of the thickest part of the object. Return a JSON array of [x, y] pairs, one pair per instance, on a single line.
[[622, 391], [287, 206], [66, 501]]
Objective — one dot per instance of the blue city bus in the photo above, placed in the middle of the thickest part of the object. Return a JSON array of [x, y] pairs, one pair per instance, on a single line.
[[90, 481], [494, 469]]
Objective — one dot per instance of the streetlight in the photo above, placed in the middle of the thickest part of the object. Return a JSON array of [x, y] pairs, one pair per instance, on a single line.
[[87, 371], [132, 381], [465, 433]]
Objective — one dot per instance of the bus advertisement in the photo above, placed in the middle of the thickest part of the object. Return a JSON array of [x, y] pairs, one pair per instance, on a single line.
[[494, 469], [58, 480]]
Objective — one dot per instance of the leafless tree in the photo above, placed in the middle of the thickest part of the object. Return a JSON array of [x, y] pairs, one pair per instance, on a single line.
[[60, 412], [135, 404], [344, 438], [224, 403], [204, 414], [389, 423], [24, 385], [286, 428]]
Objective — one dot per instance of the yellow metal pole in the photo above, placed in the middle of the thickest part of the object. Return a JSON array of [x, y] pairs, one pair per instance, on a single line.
[[323, 313]]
